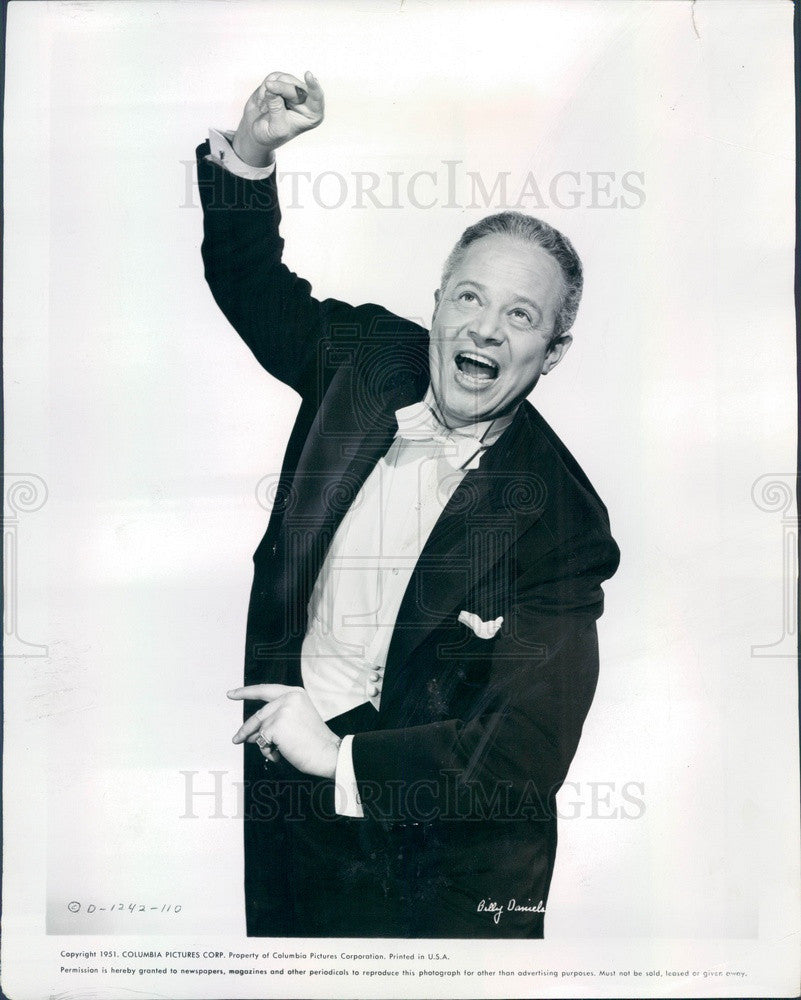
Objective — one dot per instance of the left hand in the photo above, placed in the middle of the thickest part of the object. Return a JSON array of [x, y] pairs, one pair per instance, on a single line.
[[290, 721]]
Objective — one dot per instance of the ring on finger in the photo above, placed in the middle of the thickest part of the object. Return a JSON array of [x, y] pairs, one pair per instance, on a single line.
[[265, 745]]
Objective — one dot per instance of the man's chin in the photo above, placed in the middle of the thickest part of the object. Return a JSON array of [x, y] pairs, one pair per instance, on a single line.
[[460, 405], [471, 411]]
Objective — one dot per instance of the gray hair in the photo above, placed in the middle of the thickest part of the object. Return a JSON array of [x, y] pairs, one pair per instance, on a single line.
[[538, 233]]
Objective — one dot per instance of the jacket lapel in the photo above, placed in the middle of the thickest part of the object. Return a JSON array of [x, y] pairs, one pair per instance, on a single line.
[[489, 510], [351, 431]]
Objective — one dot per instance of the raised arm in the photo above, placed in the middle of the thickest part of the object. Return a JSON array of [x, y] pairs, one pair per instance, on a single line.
[[270, 307]]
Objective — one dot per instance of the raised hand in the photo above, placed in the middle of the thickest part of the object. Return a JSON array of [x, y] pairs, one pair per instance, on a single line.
[[281, 108]]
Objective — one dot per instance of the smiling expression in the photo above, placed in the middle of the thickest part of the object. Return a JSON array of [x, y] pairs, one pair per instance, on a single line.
[[492, 330]]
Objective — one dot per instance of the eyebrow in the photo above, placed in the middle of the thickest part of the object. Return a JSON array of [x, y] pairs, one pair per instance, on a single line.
[[516, 297]]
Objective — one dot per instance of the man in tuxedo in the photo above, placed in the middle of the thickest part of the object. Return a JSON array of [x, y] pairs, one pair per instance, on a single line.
[[421, 646]]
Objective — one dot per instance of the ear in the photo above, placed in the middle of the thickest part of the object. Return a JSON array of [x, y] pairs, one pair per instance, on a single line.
[[556, 352], [437, 297]]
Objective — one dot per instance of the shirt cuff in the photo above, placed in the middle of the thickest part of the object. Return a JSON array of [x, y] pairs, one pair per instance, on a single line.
[[222, 153], [346, 792]]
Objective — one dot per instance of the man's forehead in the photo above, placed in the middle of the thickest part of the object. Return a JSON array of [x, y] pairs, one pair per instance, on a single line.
[[508, 262]]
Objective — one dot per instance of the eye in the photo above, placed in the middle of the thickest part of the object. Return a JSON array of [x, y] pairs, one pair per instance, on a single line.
[[520, 316], [468, 297]]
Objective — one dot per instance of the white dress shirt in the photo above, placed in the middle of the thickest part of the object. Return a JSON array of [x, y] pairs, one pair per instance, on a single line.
[[358, 593], [355, 602]]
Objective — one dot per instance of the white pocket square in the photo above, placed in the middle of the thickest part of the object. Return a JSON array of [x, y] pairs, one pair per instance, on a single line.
[[484, 630]]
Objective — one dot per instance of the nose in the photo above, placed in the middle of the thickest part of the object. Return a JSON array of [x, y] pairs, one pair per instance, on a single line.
[[486, 327]]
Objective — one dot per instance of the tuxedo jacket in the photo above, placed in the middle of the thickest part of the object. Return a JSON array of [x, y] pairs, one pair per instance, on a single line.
[[458, 770]]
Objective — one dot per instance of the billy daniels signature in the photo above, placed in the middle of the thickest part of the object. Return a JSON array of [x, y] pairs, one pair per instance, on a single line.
[[497, 911]]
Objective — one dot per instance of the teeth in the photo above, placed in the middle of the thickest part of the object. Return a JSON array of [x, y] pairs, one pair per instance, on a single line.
[[479, 359]]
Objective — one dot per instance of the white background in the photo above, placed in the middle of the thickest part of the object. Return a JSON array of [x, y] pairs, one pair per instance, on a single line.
[[151, 425]]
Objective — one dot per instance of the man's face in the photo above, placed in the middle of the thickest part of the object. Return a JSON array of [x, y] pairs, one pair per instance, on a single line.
[[491, 330]]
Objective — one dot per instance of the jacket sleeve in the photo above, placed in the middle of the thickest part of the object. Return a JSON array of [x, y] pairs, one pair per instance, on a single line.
[[269, 306], [509, 757]]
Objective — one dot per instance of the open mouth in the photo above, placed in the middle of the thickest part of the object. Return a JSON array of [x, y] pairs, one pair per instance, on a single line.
[[477, 367]]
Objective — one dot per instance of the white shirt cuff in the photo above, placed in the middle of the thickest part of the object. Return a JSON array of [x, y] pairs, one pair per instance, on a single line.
[[222, 153], [346, 792]]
